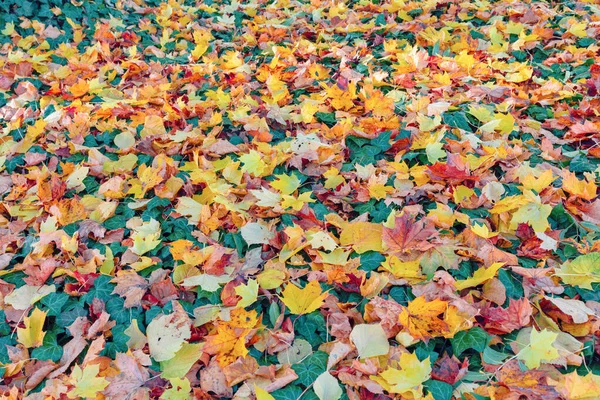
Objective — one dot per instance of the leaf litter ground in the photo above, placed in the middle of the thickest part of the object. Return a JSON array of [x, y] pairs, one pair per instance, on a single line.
[[300, 199]]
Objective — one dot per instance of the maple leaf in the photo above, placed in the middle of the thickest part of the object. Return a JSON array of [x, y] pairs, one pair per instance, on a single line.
[[247, 292], [180, 390], [362, 236], [584, 189], [423, 319], [408, 235], [539, 349], [409, 379], [131, 286], [303, 301], [286, 184], [534, 214], [573, 386], [32, 335], [582, 271], [87, 382], [146, 237], [229, 340], [128, 384], [408, 270]]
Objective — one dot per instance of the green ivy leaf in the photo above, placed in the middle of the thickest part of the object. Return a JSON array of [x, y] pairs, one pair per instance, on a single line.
[[50, 349], [312, 366], [475, 338], [439, 390]]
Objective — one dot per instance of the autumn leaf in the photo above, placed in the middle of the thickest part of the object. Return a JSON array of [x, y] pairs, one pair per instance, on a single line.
[[247, 292], [167, 333], [539, 349], [582, 271], [362, 236], [146, 237], [303, 301], [338, 199], [32, 335], [480, 276], [408, 235], [408, 380], [369, 340], [87, 382]]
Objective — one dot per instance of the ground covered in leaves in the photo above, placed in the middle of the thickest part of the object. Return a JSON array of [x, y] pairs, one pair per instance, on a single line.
[[299, 199]]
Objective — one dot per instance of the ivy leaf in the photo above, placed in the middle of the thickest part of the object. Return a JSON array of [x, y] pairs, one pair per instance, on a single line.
[[475, 338], [310, 369], [50, 349]]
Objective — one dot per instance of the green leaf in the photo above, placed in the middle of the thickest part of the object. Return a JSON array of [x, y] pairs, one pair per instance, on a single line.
[[55, 303], [514, 290], [439, 390], [50, 349], [491, 356], [310, 369], [287, 393], [309, 326], [102, 289], [327, 118], [370, 260], [383, 140], [66, 318], [476, 339], [457, 120]]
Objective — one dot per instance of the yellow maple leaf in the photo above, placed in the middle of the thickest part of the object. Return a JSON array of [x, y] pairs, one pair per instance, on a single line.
[[363, 236], [540, 348], [424, 319], [180, 390], [582, 271], [247, 292], [87, 382], [146, 237], [32, 335], [229, 341], [308, 109], [286, 184], [530, 182], [480, 276], [482, 230], [153, 125], [147, 178], [408, 380], [296, 203], [584, 189], [231, 60], [576, 387], [271, 278], [80, 88], [465, 60], [409, 270], [303, 301], [252, 163], [533, 213], [578, 29], [523, 74], [180, 364]]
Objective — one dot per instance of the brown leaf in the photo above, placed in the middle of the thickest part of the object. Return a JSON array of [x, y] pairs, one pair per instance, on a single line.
[[131, 286], [128, 385], [213, 380]]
